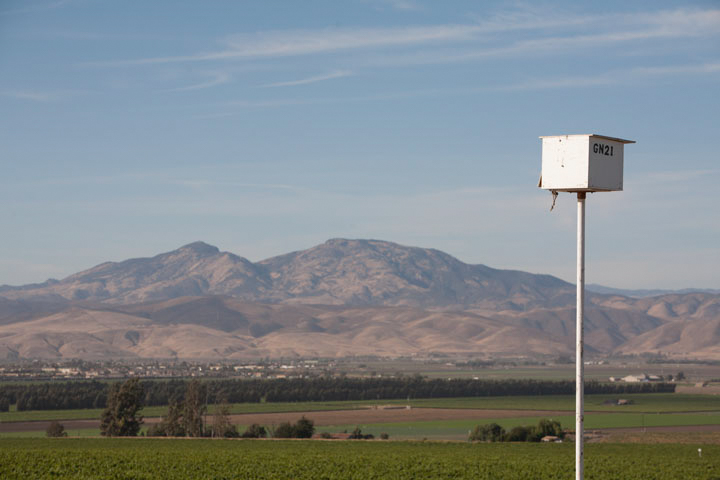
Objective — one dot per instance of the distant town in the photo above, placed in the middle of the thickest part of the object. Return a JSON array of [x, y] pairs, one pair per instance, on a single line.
[[628, 370]]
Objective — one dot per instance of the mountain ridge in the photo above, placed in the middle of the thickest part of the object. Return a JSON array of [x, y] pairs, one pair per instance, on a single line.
[[341, 297], [339, 271]]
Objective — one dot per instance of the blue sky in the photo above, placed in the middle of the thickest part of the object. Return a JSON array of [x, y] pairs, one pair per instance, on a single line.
[[131, 128]]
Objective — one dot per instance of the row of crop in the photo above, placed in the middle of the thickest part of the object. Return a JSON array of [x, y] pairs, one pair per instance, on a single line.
[[241, 459]]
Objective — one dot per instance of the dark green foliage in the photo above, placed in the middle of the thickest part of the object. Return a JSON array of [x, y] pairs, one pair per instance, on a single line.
[[491, 432], [547, 427], [121, 417], [384, 436], [284, 430], [93, 394], [358, 435], [303, 428], [255, 431], [55, 429], [4, 404], [58, 395], [519, 434]]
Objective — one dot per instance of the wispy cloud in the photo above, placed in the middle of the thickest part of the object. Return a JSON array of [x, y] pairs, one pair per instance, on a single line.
[[675, 176], [34, 96], [219, 78], [315, 79], [567, 82], [679, 69], [611, 78], [305, 42], [36, 7], [404, 5], [614, 77], [626, 28]]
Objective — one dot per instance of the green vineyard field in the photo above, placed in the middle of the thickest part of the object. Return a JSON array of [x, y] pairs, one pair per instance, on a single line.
[[247, 459]]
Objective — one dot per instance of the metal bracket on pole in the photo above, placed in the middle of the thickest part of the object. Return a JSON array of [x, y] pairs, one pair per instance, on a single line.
[[579, 346]]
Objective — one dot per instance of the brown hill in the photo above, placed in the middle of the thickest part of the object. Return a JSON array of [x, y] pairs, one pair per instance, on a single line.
[[341, 297], [338, 272], [249, 330]]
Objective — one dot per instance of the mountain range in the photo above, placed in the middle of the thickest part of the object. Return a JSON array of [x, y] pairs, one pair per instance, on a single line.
[[343, 297]]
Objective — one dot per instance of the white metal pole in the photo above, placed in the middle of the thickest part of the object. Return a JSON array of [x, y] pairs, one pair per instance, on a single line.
[[579, 346]]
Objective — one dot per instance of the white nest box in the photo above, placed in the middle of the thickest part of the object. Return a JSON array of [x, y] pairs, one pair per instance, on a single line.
[[582, 163]]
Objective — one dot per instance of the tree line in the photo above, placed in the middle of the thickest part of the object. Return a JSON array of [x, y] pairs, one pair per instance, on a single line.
[[94, 394], [122, 417], [492, 432]]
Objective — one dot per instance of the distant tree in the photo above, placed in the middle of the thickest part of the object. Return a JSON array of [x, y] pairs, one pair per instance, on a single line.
[[4, 404], [221, 426], [195, 408], [546, 428], [304, 428], [255, 431], [121, 417], [55, 429], [491, 432], [171, 425], [284, 430], [680, 376], [520, 434], [358, 435], [384, 436]]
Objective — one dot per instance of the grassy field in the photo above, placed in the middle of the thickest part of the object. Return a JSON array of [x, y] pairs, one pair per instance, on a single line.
[[642, 402], [646, 403], [458, 429], [238, 408], [238, 459], [79, 432]]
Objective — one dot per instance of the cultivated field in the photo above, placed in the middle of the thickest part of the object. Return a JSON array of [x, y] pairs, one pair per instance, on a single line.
[[439, 419], [640, 403], [298, 460]]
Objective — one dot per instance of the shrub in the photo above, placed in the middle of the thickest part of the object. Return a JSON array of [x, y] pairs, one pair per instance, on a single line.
[[548, 427], [255, 431], [520, 434], [284, 430], [56, 429], [303, 428], [491, 432], [358, 435]]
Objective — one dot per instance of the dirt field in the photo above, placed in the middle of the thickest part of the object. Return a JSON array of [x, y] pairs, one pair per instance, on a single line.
[[699, 434]]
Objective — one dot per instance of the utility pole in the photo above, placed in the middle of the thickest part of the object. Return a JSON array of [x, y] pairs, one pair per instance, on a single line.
[[581, 164]]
